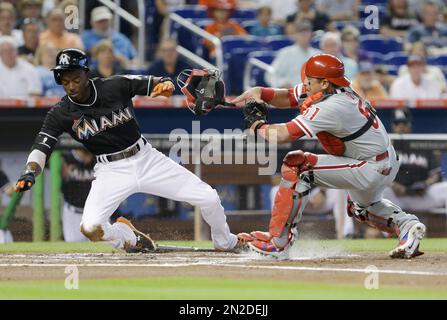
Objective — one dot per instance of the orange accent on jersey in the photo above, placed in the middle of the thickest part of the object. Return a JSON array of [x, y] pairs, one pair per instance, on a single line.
[[292, 99], [295, 132], [331, 144]]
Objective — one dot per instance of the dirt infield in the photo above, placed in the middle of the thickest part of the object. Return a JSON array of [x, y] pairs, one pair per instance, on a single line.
[[428, 271]]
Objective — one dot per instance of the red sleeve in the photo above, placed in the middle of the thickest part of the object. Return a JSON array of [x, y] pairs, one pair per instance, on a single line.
[[294, 131], [292, 99]]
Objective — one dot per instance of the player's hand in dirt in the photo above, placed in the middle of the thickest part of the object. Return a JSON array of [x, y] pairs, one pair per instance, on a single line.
[[25, 182], [253, 94], [164, 88]]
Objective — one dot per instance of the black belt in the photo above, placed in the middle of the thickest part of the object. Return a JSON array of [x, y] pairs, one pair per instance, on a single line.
[[123, 154]]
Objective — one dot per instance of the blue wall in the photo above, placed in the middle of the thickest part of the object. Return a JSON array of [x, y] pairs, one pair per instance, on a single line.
[[165, 120]]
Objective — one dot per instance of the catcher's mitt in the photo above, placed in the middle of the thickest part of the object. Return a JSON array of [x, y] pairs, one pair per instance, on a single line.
[[254, 111], [204, 90]]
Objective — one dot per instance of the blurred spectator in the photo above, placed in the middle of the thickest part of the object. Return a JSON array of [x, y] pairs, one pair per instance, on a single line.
[[306, 11], [31, 29], [221, 11], [280, 9], [30, 9], [168, 63], [417, 6], [350, 41], [288, 62], [45, 61], [330, 43], [432, 32], [418, 185], [56, 34], [416, 84], [340, 10], [101, 21], [398, 19], [8, 18], [365, 83], [383, 76], [77, 177], [6, 186], [18, 78], [264, 27], [434, 72], [106, 63]]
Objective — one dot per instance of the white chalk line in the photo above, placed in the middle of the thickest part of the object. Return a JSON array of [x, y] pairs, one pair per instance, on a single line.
[[239, 266]]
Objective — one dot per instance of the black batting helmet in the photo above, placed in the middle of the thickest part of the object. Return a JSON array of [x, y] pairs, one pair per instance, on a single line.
[[69, 59]]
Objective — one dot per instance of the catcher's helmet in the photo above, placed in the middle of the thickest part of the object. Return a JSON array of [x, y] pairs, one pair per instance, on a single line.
[[69, 59], [326, 66]]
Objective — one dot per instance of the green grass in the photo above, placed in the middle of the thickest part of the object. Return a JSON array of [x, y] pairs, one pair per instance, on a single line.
[[211, 288], [371, 245], [176, 288]]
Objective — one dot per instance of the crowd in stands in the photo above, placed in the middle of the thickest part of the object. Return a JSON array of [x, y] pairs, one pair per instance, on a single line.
[[32, 31]]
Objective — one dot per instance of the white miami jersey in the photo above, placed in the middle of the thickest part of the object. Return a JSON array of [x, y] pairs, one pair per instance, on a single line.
[[343, 114]]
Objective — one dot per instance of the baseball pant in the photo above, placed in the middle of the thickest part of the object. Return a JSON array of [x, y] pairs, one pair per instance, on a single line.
[[71, 219], [365, 182], [150, 171]]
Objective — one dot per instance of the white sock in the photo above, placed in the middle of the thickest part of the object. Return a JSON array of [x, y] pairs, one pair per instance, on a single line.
[[119, 233]]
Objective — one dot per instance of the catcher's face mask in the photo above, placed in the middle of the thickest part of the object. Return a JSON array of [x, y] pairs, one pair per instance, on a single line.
[[204, 90]]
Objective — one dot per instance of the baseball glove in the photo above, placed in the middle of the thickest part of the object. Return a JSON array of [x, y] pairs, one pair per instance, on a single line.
[[255, 111], [164, 88]]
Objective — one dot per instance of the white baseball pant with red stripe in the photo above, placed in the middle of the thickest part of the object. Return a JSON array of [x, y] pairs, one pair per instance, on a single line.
[[365, 181]]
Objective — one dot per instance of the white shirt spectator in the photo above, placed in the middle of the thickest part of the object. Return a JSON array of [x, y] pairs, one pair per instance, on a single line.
[[287, 66], [404, 88], [20, 81], [433, 72], [17, 35], [280, 9]]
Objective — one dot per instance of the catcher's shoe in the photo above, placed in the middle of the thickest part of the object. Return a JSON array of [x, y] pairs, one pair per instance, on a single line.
[[409, 244], [268, 249], [144, 243]]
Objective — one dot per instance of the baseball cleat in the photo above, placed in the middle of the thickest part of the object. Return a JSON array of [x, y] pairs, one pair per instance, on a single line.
[[409, 244], [144, 243], [268, 250]]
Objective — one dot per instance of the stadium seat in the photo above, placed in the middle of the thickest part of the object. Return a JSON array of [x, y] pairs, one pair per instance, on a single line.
[[396, 59], [381, 44], [375, 2], [278, 42], [257, 74], [191, 11], [236, 50], [440, 60], [244, 14], [230, 43], [376, 58]]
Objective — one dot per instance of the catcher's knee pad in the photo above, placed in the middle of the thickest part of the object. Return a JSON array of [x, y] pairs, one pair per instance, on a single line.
[[290, 201]]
